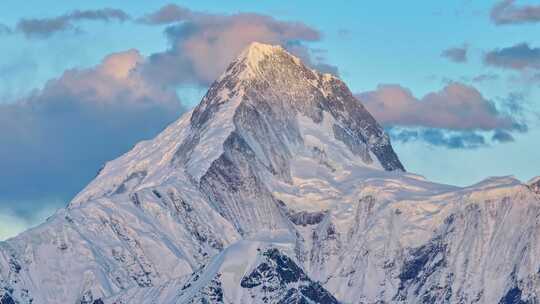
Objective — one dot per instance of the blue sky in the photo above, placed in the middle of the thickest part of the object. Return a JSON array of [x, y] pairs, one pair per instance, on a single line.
[[462, 72]]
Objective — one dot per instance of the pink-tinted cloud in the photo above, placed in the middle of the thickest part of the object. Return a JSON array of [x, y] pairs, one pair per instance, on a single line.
[[78, 120], [202, 45], [114, 80], [456, 107]]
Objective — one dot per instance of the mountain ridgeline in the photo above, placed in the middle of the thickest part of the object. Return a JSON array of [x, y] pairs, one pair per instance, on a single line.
[[279, 187]]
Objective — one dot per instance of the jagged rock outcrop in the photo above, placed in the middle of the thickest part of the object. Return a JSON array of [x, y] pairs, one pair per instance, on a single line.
[[534, 184]]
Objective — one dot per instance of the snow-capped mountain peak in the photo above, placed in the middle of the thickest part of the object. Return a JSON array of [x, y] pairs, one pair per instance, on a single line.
[[266, 87], [279, 187], [257, 52]]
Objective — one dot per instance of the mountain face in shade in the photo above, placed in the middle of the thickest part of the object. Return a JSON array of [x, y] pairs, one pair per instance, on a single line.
[[279, 187]]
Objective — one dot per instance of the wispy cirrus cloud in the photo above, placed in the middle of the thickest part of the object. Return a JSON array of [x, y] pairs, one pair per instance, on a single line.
[[202, 44], [508, 12], [485, 77], [45, 27], [518, 57], [439, 138], [502, 136], [455, 116], [168, 14], [4, 29], [456, 54]]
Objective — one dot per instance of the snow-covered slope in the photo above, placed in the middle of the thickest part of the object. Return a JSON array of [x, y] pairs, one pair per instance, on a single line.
[[245, 272], [279, 187]]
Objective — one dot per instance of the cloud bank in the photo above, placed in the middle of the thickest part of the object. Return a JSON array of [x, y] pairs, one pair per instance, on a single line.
[[453, 117], [56, 139], [457, 106]]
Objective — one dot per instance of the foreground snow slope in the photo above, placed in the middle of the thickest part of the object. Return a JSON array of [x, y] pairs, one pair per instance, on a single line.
[[279, 187]]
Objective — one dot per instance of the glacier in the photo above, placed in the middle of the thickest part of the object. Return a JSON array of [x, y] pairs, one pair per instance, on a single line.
[[279, 187]]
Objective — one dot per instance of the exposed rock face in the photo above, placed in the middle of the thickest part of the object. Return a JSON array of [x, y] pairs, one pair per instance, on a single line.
[[277, 279], [534, 184], [279, 187]]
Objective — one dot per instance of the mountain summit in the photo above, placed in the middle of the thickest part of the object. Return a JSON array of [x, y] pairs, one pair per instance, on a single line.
[[279, 187], [269, 100]]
